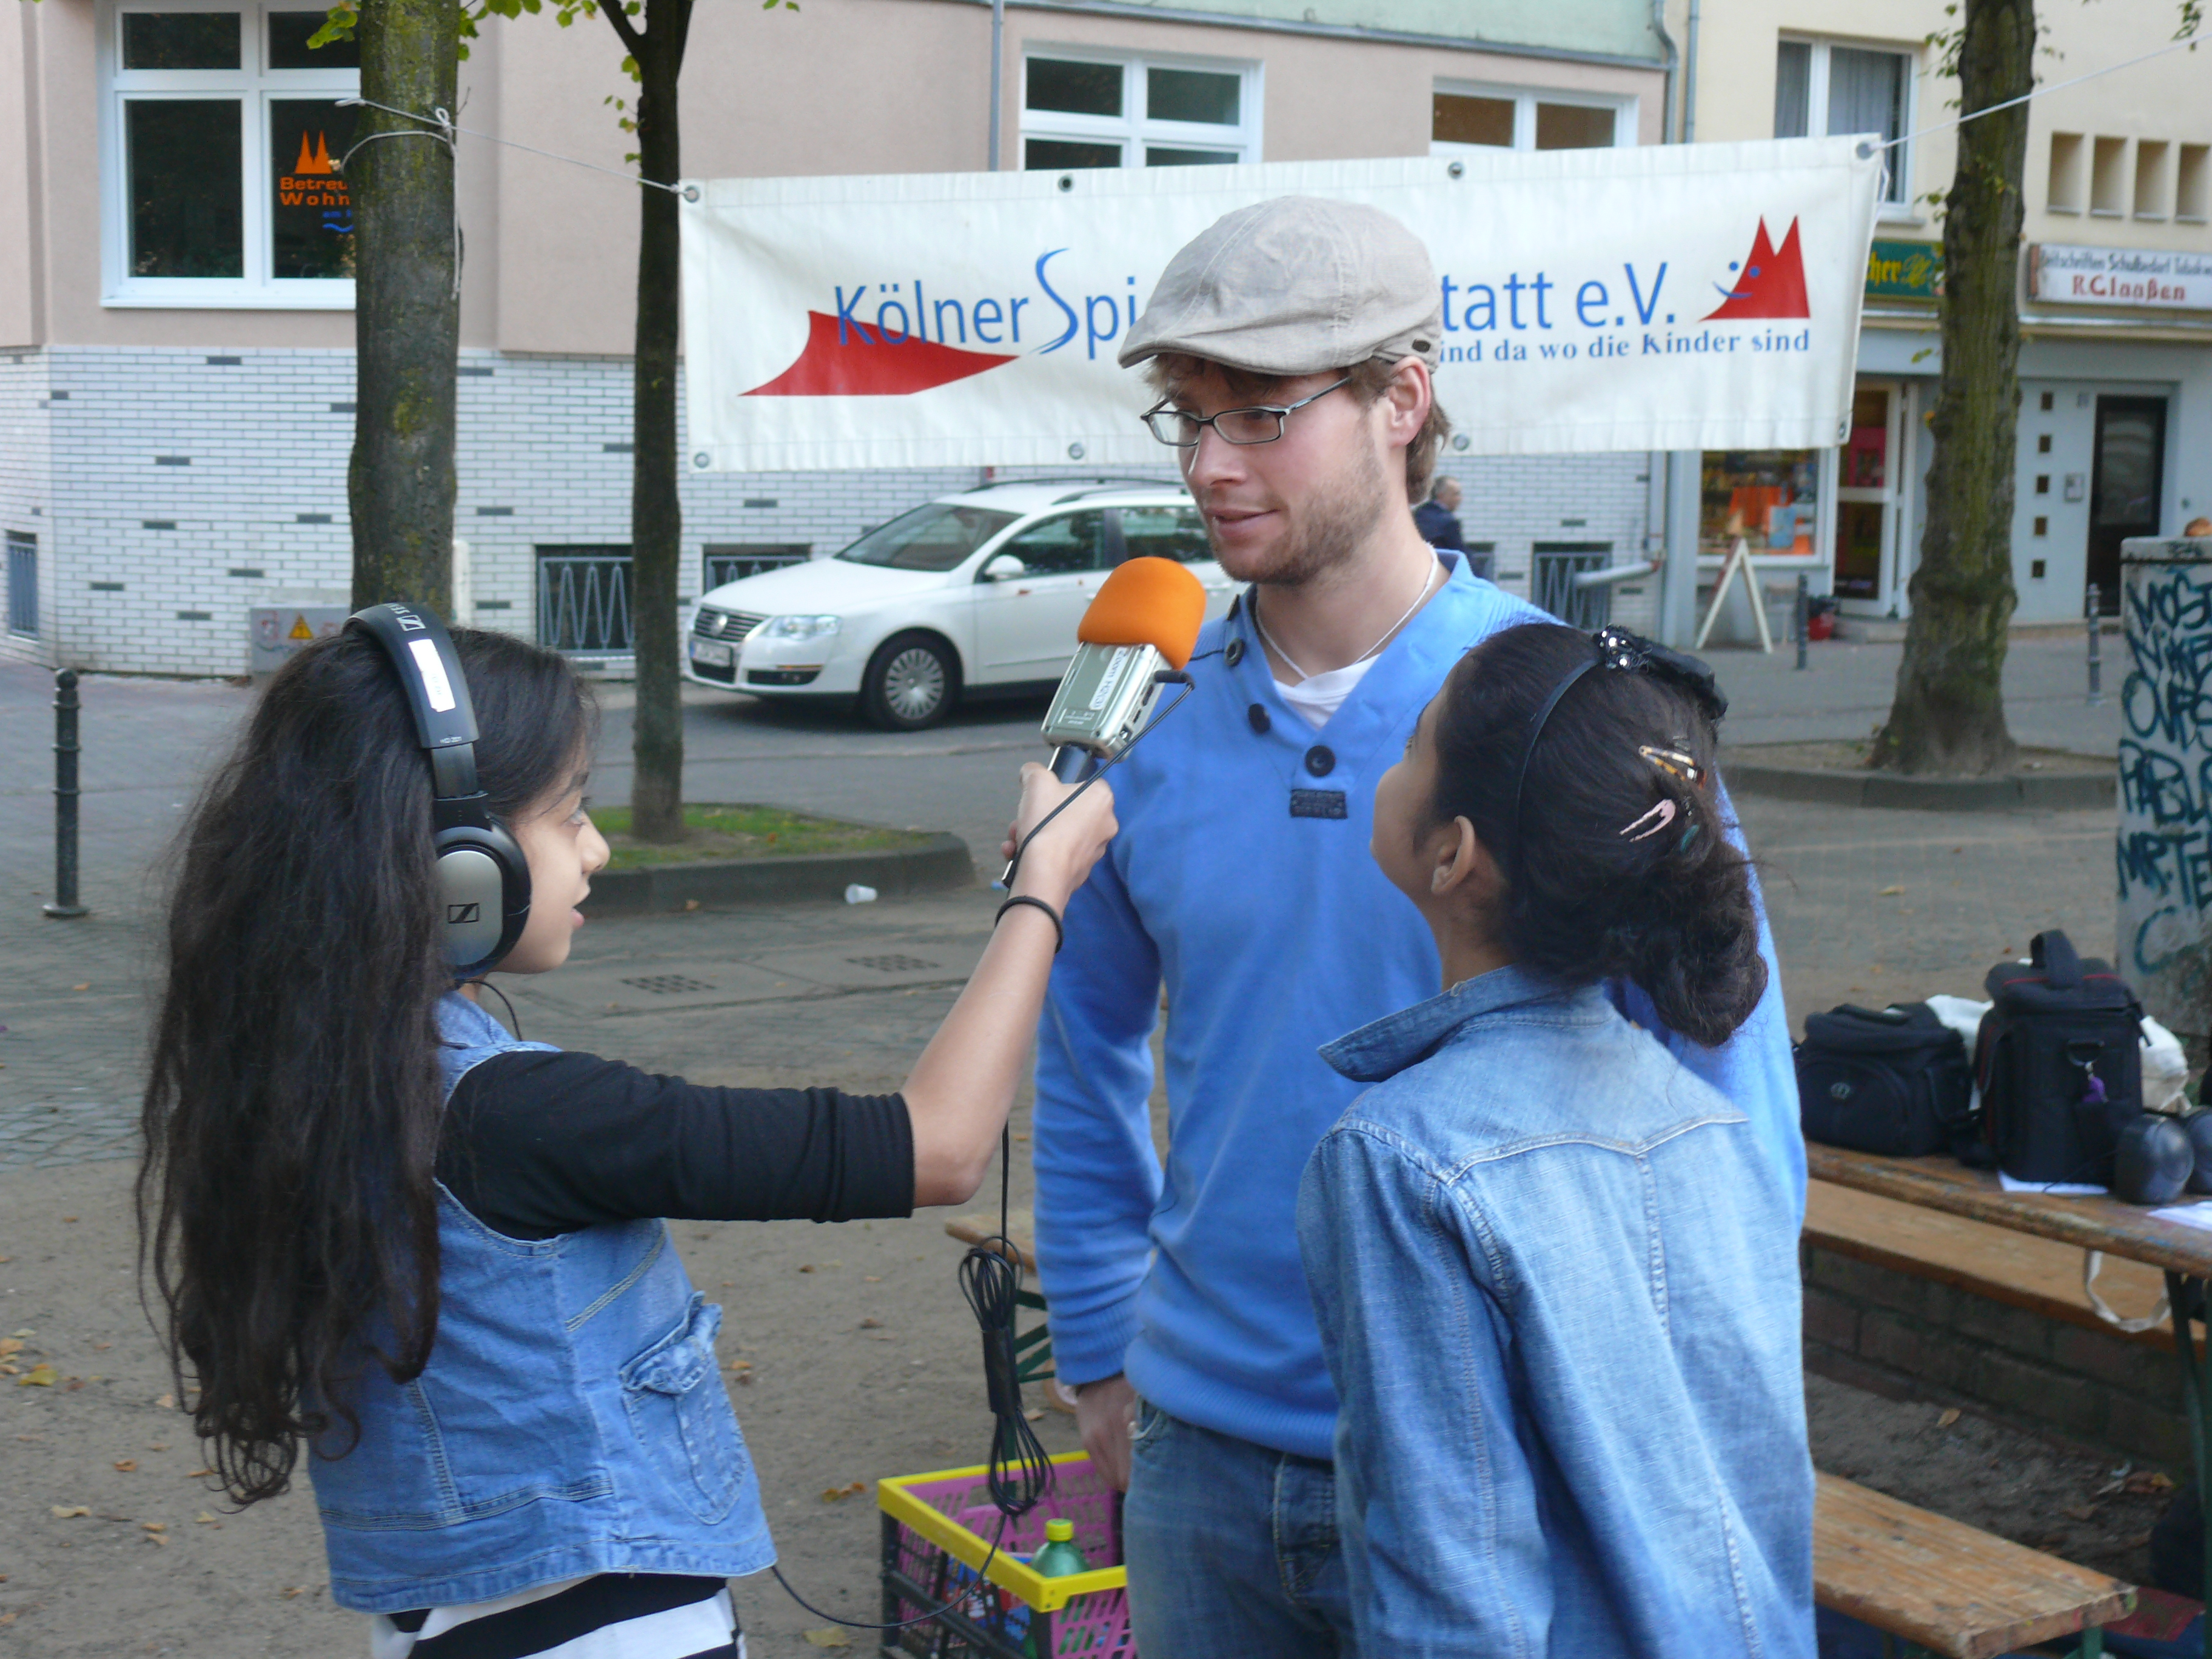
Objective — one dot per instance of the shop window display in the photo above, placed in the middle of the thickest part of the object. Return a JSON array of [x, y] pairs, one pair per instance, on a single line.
[[1767, 497]]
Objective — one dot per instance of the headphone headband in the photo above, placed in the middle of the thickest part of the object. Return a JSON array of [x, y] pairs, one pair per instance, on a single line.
[[483, 878]]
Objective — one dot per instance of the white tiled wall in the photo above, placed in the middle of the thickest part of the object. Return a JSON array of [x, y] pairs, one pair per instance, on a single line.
[[203, 483]]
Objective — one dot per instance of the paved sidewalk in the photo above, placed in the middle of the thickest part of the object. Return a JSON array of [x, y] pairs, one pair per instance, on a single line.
[[860, 1355]]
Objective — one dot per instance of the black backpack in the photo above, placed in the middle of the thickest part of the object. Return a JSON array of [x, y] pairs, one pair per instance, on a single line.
[[2060, 1059], [1890, 1080]]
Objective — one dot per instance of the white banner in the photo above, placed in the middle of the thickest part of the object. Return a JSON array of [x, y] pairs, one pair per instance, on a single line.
[[1685, 297]]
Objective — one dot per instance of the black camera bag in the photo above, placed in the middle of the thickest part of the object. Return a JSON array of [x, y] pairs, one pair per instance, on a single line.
[[2060, 1059], [1890, 1080]]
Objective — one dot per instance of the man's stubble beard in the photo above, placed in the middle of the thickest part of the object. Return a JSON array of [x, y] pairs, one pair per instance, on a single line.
[[1330, 525]]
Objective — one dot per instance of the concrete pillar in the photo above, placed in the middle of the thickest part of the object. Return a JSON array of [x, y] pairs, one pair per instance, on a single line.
[[2165, 850]]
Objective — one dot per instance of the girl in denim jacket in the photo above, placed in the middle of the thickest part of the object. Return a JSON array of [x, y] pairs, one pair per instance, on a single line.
[[435, 1254], [1557, 1281]]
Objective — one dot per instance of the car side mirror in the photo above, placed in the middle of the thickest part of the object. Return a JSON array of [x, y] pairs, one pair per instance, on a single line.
[[1002, 567]]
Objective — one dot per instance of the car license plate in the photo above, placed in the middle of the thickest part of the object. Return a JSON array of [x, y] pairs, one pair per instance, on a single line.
[[715, 651]]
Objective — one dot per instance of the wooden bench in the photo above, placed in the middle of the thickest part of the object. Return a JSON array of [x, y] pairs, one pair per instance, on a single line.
[[1944, 1587]]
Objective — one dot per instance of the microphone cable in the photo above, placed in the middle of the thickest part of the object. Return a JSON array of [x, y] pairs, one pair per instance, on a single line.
[[1018, 1472]]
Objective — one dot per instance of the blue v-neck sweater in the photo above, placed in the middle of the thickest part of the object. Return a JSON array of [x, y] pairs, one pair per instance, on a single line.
[[1240, 880]]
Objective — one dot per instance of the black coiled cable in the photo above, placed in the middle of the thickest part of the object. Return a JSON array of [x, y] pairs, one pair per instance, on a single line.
[[1019, 1471]]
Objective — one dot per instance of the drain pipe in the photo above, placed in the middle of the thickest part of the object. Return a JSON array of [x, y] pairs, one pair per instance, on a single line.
[[998, 73], [1673, 60], [1690, 79], [1655, 474]]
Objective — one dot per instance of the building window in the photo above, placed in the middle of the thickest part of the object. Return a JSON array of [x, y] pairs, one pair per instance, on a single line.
[[2192, 185], [1464, 117], [222, 135], [2153, 188], [1087, 112], [22, 584], [2064, 192], [2108, 178], [1824, 88]]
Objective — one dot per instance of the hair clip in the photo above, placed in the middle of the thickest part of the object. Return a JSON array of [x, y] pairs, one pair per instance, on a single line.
[[1675, 763], [1663, 812], [1618, 649]]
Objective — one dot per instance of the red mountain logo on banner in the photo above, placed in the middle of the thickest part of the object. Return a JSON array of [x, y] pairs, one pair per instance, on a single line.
[[863, 366], [1770, 283]]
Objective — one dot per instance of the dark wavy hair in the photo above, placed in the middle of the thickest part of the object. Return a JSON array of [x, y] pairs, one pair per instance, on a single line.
[[286, 1206], [1671, 912]]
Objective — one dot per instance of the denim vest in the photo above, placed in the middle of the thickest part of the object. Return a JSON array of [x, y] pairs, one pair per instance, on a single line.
[[572, 1418]]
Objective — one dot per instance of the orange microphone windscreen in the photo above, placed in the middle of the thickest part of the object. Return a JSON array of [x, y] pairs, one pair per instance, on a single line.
[[1147, 601]]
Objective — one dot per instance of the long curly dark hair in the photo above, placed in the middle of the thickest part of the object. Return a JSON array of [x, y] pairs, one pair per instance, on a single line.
[[288, 1205], [1671, 911]]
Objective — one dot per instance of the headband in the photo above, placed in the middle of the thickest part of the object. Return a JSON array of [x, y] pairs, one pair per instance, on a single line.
[[1618, 650]]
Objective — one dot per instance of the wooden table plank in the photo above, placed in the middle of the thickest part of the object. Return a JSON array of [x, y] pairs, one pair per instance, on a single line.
[[1946, 1585], [2104, 1224], [1999, 1263]]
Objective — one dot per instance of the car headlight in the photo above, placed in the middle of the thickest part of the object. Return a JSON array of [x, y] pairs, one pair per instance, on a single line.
[[798, 628]]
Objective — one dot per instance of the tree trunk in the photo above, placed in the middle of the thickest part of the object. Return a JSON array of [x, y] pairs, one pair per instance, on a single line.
[[407, 310], [656, 516], [1949, 714]]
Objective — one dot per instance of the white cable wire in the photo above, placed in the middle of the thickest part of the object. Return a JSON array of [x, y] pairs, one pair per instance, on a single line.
[[2059, 86], [445, 125]]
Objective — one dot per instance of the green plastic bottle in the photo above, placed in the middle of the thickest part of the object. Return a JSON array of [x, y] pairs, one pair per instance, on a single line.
[[1058, 1558]]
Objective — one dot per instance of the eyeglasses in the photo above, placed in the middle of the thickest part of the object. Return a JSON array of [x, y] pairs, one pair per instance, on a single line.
[[1260, 424]]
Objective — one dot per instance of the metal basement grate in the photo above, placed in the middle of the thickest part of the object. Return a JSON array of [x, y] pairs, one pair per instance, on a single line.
[[892, 965], [668, 985]]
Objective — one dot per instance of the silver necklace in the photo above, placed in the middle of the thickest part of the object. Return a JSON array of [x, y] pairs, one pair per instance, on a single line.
[[1419, 599]]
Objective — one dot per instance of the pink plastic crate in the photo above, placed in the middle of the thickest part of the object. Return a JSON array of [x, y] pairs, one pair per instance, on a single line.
[[937, 1530]]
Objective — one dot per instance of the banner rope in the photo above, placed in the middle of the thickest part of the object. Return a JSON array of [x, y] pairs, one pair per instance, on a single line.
[[445, 127], [2025, 97]]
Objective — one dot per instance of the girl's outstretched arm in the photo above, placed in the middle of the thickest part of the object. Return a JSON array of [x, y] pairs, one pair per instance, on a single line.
[[960, 1091]]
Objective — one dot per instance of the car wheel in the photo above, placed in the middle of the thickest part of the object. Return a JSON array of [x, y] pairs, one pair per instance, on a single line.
[[912, 683]]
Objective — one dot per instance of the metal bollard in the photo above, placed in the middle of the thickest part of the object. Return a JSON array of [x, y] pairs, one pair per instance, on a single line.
[[66, 750], [1801, 625], [2096, 667]]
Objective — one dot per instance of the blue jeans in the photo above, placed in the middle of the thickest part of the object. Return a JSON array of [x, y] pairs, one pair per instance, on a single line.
[[1231, 1548]]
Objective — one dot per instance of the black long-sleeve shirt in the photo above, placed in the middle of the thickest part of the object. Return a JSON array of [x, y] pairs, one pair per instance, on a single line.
[[535, 1144]]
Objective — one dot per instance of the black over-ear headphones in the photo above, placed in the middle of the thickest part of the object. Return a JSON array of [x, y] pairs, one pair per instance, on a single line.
[[483, 880]]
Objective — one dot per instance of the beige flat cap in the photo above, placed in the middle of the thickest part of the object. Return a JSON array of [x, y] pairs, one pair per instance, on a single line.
[[1295, 286]]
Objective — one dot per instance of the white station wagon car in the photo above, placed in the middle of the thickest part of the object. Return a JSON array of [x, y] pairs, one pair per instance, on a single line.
[[978, 590]]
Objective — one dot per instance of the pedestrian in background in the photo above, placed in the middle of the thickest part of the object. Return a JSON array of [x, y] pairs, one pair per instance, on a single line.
[[1437, 518]]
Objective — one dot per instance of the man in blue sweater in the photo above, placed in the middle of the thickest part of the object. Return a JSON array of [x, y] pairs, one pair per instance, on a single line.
[[1291, 345]]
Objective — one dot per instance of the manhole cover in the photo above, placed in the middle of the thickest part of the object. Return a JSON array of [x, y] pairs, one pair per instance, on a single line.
[[892, 965], [669, 985]]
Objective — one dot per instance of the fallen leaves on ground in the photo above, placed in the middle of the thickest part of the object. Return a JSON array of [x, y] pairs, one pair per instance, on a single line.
[[198, 1475], [10, 1345], [1889, 892], [838, 1494], [872, 1323], [1949, 1417], [204, 1519], [2150, 1480], [68, 1512], [125, 1465], [167, 1402], [39, 1376], [829, 1637]]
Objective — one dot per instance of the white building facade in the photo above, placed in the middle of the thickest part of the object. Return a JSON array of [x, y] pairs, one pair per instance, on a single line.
[[176, 387]]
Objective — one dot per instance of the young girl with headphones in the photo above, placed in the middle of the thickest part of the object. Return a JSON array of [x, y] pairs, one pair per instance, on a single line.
[[384, 1227], [1555, 1271]]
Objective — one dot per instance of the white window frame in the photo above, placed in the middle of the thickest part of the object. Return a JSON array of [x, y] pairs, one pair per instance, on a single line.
[[254, 87], [1133, 129], [1524, 100], [1816, 107]]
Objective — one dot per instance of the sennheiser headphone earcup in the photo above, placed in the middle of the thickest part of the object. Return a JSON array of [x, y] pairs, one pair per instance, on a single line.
[[484, 892]]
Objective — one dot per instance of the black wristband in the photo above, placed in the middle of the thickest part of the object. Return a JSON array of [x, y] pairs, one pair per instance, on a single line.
[[1060, 933]]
